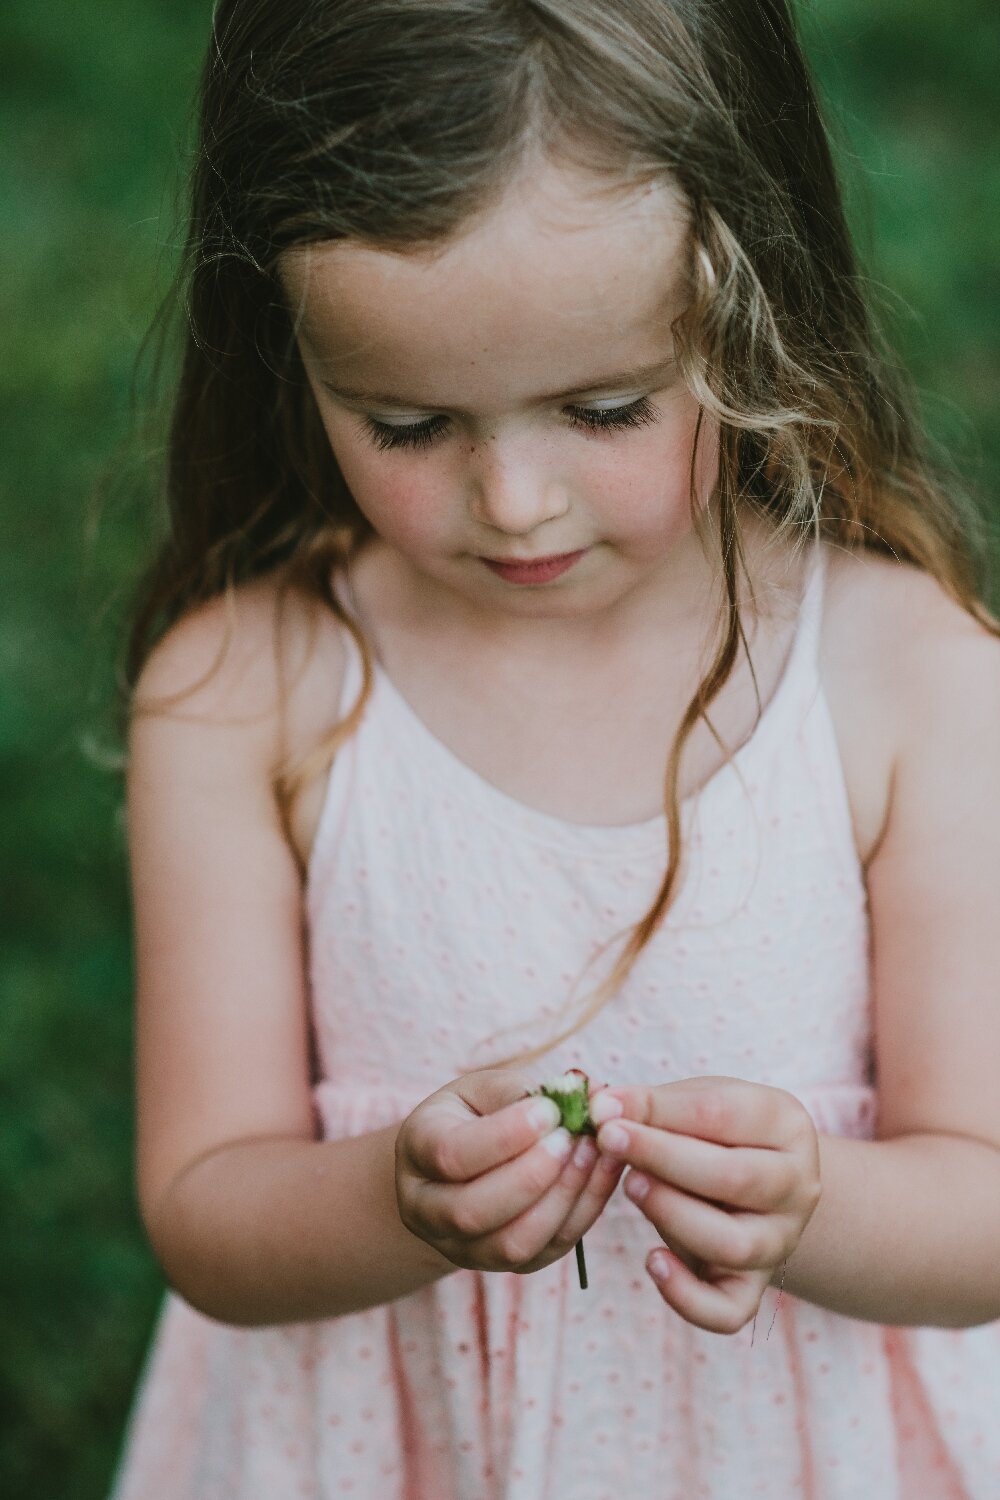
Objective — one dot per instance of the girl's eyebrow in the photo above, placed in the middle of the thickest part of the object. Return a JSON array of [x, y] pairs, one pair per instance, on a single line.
[[637, 375]]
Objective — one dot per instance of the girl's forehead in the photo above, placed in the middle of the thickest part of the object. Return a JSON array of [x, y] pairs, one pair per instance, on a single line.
[[560, 277]]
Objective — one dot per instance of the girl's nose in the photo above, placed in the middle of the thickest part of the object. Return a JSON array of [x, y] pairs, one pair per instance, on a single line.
[[515, 494]]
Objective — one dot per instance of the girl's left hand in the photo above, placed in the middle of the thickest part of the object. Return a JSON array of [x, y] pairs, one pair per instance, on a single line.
[[727, 1172]]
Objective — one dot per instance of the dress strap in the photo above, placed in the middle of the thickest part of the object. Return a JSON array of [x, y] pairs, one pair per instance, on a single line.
[[799, 685], [343, 590], [811, 619]]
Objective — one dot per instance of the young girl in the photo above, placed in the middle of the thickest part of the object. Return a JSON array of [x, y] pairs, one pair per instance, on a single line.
[[562, 656]]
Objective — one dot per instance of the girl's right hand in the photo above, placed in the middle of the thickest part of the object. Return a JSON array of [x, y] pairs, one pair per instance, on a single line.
[[484, 1175]]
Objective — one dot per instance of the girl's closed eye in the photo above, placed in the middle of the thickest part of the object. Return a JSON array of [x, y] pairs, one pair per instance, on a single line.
[[638, 413]]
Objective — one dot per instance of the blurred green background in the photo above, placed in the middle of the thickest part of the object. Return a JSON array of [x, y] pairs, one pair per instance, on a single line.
[[94, 126]]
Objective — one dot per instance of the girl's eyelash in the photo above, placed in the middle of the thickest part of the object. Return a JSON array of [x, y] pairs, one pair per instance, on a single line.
[[593, 419], [637, 414], [417, 435]]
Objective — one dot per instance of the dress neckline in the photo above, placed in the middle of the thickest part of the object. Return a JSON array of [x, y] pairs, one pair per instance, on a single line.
[[461, 783]]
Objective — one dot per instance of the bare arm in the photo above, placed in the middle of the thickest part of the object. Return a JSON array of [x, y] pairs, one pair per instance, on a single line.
[[908, 1227], [478, 1175], [907, 1232], [252, 1218], [286, 1231]]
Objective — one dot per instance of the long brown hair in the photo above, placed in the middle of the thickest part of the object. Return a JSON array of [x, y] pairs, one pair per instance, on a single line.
[[392, 121]]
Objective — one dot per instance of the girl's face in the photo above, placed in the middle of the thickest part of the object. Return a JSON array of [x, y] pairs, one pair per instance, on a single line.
[[515, 396]]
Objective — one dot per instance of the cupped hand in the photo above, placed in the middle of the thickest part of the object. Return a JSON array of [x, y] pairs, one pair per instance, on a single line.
[[727, 1172], [491, 1180]]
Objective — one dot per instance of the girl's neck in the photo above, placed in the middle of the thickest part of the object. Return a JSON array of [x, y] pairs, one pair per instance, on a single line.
[[681, 604]]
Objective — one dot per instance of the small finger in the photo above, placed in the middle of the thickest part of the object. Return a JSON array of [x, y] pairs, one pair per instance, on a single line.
[[556, 1221], [732, 1111], [447, 1145], [741, 1176], [599, 1184], [488, 1202], [724, 1305], [736, 1241]]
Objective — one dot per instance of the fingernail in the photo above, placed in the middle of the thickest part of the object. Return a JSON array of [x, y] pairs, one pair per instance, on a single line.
[[637, 1186], [559, 1143], [605, 1107], [612, 1138], [658, 1265], [544, 1115], [585, 1153]]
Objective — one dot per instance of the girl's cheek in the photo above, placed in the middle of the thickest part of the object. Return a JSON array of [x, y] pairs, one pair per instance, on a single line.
[[407, 512], [396, 497], [645, 486], [401, 510]]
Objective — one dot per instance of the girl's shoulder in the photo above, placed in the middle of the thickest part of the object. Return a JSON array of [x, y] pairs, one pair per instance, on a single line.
[[236, 687], [900, 622], [925, 691], [251, 658], [260, 668], [904, 667]]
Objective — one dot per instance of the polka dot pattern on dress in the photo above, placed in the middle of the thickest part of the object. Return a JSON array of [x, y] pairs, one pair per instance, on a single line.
[[441, 911]]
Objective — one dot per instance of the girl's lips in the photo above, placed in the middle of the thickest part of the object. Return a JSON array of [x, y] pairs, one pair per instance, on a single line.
[[540, 570]]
